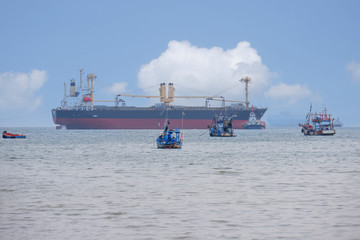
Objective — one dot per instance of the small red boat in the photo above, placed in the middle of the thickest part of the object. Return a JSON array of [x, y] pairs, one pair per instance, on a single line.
[[12, 135]]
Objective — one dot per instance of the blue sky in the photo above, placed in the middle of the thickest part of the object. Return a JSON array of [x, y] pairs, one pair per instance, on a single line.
[[297, 52]]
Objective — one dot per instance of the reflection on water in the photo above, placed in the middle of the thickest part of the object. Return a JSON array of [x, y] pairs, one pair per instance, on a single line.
[[268, 184]]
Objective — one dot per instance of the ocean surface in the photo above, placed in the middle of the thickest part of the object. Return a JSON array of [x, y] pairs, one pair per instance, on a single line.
[[115, 184]]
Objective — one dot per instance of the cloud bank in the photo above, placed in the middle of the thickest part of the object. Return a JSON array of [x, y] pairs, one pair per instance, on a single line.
[[116, 88], [205, 71], [354, 69], [20, 90], [289, 93]]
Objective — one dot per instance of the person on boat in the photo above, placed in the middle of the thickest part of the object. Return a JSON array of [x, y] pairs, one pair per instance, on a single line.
[[169, 137], [167, 125], [173, 138]]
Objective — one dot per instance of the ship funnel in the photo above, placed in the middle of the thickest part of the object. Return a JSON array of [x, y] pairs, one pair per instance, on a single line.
[[72, 88]]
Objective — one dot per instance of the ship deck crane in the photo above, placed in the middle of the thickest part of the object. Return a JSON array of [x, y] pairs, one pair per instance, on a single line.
[[206, 97], [163, 98], [170, 97], [246, 80], [223, 101], [145, 96], [117, 101]]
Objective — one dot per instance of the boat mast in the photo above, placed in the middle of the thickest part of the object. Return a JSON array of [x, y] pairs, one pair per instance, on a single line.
[[308, 117]]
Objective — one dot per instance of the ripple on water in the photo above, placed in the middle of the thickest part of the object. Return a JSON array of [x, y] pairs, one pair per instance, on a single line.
[[260, 185]]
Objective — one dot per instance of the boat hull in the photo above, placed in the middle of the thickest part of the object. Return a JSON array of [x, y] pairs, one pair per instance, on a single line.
[[20, 136], [147, 118], [319, 132], [169, 146], [257, 126], [222, 135]]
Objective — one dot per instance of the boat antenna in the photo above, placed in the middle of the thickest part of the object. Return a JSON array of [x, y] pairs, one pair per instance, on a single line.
[[166, 115], [182, 119], [308, 116]]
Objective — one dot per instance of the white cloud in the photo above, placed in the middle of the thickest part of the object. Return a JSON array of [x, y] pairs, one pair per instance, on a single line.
[[354, 68], [289, 93], [116, 88], [205, 71], [19, 90]]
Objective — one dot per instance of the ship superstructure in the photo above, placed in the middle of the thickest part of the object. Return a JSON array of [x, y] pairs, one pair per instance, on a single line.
[[79, 110]]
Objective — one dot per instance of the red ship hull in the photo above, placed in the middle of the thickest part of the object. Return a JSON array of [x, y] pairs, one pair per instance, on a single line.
[[86, 123], [149, 118]]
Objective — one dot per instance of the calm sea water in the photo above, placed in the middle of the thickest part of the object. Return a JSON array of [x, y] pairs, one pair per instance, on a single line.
[[115, 184]]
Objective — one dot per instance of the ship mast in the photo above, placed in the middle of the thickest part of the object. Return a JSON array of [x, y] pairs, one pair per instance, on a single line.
[[246, 80], [81, 73], [64, 102], [91, 77]]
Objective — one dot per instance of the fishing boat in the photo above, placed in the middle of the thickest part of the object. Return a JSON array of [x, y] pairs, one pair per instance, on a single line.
[[5, 134], [253, 122], [170, 138], [221, 126], [318, 124]]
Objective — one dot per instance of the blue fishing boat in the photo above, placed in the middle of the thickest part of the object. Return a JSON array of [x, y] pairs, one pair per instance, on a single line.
[[5, 134], [221, 126], [170, 138]]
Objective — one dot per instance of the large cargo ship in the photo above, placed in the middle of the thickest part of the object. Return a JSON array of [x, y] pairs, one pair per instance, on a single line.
[[78, 111]]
